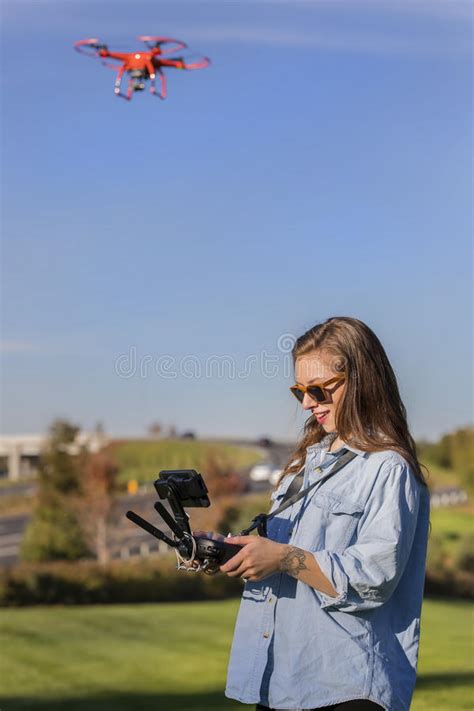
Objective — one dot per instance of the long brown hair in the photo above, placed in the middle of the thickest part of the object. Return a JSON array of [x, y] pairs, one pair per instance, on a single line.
[[371, 415]]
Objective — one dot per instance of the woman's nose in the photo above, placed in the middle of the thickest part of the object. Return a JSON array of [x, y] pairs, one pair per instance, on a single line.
[[308, 402]]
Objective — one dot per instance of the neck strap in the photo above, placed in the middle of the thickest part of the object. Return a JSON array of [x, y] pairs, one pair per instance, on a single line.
[[293, 494]]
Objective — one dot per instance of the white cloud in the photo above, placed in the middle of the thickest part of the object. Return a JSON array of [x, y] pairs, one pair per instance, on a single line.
[[17, 347]]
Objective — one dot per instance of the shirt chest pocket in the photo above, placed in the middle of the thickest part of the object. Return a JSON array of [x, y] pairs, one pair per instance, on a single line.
[[278, 496], [334, 520]]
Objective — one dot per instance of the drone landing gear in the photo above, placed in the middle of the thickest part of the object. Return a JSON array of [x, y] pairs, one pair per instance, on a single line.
[[118, 86], [137, 83], [153, 90]]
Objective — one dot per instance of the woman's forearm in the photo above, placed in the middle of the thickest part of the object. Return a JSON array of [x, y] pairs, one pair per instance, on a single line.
[[302, 565], [260, 557]]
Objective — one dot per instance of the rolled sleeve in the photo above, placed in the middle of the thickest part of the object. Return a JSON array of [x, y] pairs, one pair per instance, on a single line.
[[367, 572]]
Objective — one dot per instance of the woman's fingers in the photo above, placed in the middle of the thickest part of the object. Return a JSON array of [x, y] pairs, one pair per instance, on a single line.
[[241, 571], [234, 562], [242, 540]]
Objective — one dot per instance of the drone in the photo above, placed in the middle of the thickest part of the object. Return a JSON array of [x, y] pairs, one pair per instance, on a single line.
[[142, 66]]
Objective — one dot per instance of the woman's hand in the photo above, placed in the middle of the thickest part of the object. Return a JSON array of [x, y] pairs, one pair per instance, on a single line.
[[259, 558]]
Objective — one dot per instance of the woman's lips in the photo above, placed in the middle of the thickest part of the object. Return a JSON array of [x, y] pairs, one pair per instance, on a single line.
[[321, 416]]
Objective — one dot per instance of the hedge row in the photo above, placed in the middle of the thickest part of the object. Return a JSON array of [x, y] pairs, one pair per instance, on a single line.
[[86, 582], [450, 583]]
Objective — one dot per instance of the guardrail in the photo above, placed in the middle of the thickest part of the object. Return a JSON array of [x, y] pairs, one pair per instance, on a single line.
[[448, 497], [142, 550]]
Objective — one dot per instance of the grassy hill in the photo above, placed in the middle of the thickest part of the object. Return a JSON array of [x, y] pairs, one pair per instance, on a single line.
[[143, 459]]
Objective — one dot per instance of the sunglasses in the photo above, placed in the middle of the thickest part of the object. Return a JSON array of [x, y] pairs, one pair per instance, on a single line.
[[320, 393]]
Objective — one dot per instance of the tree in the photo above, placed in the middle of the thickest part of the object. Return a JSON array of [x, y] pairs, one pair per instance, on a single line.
[[221, 477], [462, 456], [54, 532], [454, 451], [155, 430], [95, 506]]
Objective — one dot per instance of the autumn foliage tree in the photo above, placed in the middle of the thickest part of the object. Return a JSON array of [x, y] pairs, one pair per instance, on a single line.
[[96, 504], [221, 478]]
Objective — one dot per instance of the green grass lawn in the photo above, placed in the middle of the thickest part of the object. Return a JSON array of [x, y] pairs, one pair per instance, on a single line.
[[143, 459], [170, 657]]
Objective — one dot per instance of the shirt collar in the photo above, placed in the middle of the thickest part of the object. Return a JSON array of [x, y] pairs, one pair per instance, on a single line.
[[357, 451], [326, 441]]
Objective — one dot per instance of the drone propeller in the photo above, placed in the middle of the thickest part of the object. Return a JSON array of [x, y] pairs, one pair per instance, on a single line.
[[188, 63], [153, 42], [83, 47], [196, 62]]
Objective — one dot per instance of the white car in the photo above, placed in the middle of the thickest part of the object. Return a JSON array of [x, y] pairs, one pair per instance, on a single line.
[[260, 472]]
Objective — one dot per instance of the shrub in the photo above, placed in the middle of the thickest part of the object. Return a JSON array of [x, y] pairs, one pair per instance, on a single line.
[[87, 582], [53, 534], [456, 584], [464, 559], [436, 560]]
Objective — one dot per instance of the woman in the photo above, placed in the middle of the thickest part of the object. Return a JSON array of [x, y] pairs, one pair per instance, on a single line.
[[330, 613]]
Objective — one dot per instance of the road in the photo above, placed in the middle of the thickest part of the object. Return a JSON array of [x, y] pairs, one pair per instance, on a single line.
[[11, 533], [23, 488]]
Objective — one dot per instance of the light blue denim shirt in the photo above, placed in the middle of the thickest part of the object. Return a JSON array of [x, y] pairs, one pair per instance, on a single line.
[[367, 527]]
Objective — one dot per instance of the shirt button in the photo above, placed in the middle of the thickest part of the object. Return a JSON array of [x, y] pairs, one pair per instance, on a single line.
[[266, 635]]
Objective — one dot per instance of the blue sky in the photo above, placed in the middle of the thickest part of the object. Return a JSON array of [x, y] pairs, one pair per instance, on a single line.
[[320, 167]]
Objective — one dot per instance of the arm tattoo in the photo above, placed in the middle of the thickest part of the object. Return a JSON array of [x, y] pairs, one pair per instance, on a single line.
[[293, 562]]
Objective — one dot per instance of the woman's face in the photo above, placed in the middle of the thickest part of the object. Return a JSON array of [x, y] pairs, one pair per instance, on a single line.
[[314, 369]]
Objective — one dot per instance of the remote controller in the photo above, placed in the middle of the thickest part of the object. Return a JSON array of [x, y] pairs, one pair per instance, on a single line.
[[220, 551]]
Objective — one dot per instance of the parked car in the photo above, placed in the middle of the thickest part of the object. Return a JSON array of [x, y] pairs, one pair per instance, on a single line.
[[261, 472]]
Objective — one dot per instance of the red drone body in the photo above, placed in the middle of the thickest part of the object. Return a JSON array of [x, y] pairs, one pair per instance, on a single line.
[[142, 66]]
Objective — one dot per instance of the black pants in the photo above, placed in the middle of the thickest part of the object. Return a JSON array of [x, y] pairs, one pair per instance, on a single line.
[[356, 705]]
